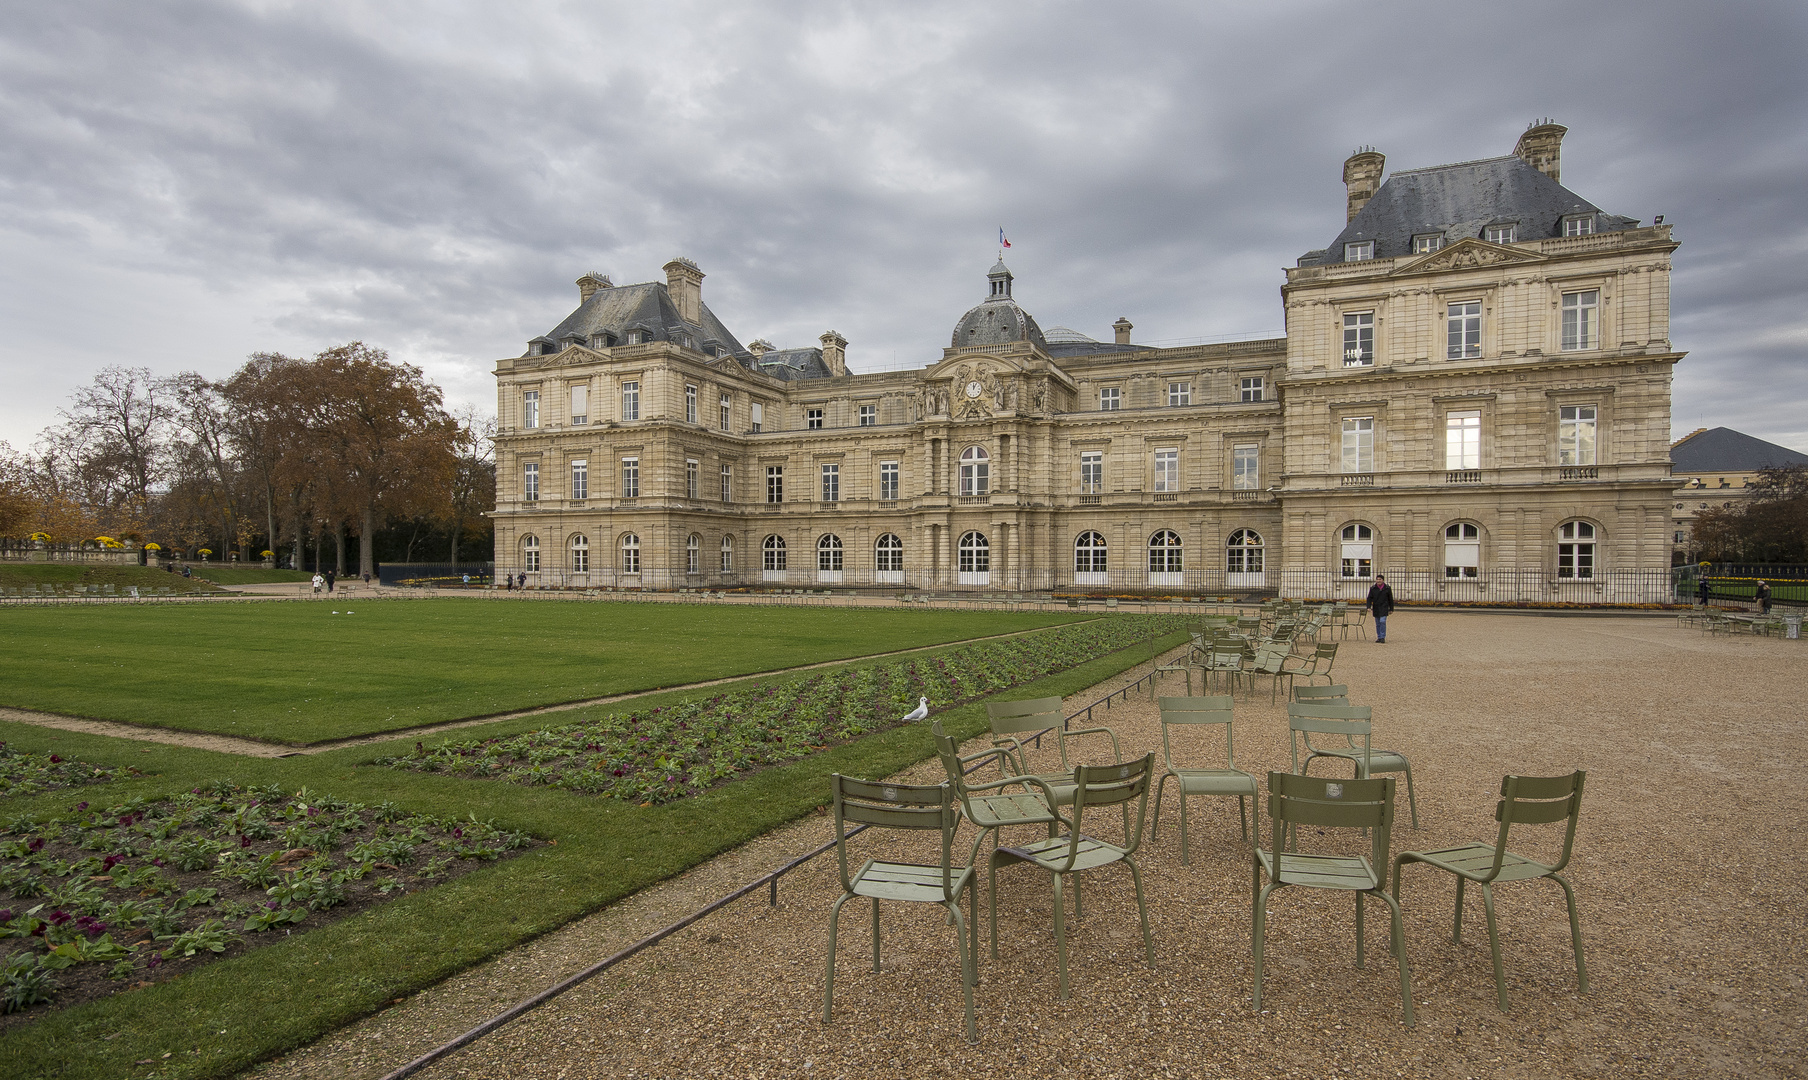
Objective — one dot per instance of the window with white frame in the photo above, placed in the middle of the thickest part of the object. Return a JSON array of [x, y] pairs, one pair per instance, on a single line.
[[1164, 552], [693, 554], [530, 481], [1358, 338], [831, 483], [1576, 435], [1581, 320], [630, 401], [1251, 388], [974, 553], [1463, 330], [975, 471], [772, 552], [869, 415], [639, 337], [1462, 550], [759, 415], [1243, 552], [727, 411], [1501, 234], [530, 554], [1463, 440], [1579, 225], [813, 419], [1110, 398], [888, 554], [1358, 444], [630, 554], [693, 480], [630, 478], [1092, 472], [1576, 550], [888, 480], [1180, 393], [1357, 548], [727, 554], [580, 554], [580, 479], [1089, 555], [580, 404], [1167, 470], [1424, 243], [828, 552], [530, 408], [727, 472], [1246, 467], [1359, 251], [690, 404], [775, 483]]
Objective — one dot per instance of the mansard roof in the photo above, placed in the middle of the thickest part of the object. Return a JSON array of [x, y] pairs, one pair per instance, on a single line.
[[1459, 201], [791, 365], [649, 307], [1722, 449]]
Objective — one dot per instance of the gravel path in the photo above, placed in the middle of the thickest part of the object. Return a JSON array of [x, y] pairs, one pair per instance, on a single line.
[[1689, 871]]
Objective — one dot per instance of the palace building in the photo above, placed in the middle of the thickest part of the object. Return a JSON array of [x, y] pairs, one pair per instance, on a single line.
[[1472, 396]]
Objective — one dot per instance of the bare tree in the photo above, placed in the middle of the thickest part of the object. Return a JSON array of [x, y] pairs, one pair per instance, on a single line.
[[474, 476], [118, 427]]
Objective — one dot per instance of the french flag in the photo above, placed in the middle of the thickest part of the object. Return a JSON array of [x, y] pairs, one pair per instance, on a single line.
[[1002, 242]]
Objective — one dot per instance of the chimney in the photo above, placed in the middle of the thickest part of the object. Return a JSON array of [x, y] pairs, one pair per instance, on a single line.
[[1123, 328], [684, 282], [590, 283], [1541, 147], [759, 347], [834, 352], [1362, 175]]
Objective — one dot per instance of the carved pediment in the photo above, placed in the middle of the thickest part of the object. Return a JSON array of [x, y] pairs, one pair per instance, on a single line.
[[1466, 254]]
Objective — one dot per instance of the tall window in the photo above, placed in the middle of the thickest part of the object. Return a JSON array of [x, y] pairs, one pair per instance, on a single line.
[[813, 419], [693, 554], [690, 404], [869, 415], [772, 551], [693, 482], [1576, 435], [727, 554], [1462, 550], [727, 410], [1358, 339], [1359, 251], [1358, 550], [1463, 439], [1576, 550], [888, 480], [1581, 319], [1180, 393], [1243, 552], [1110, 398], [580, 554], [1089, 553], [1246, 467], [1164, 552], [580, 404], [759, 415], [1167, 470], [580, 479], [831, 483], [1251, 388], [1092, 472], [1501, 234], [775, 483], [530, 408], [1579, 225], [1463, 323], [630, 401], [630, 478], [888, 554], [728, 483], [630, 554], [975, 471], [828, 552], [975, 553], [530, 554], [1358, 444], [1427, 242], [530, 481]]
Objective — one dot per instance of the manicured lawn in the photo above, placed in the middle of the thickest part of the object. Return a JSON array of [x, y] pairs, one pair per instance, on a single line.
[[297, 673]]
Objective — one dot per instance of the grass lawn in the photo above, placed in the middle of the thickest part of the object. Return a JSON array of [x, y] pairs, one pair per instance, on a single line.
[[298, 674], [218, 1020], [63, 575]]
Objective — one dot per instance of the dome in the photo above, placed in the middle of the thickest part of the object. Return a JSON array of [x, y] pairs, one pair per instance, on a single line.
[[998, 321], [1061, 335]]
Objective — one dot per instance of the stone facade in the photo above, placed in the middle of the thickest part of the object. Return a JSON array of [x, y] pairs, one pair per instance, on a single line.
[[1482, 412]]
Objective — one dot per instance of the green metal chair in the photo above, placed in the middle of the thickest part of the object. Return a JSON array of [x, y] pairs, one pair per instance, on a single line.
[[1306, 719], [1322, 803], [1524, 800], [1228, 780], [902, 806], [1074, 851], [990, 806], [1336, 694], [1028, 718], [1223, 660]]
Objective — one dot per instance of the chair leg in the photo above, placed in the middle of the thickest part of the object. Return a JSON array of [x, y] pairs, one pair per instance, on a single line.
[[1456, 934], [1142, 911], [1185, 856], [992, 895], [968, 976], [875, 935], [828, 990], [1359, 933], [1412, 800], [1243, 816], [1575, 934], [1398, 947], [1155, 829], [1500, 975], [1061, 937], [1261, 932]]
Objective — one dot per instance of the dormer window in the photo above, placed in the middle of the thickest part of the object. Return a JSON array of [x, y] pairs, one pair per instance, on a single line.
[[638, 337], [685, 341], [1425, 243], [1501, 234], [1359, 252], [602, 341], [1579, 225]]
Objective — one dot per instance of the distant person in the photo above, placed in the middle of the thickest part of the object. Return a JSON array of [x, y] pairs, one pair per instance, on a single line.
[[1763, 597], [187, 572], [1381, 603], [367, 578], [318, 582], [1704, 592], [508, 582], [524, 579], [467, 581], [330, 576]]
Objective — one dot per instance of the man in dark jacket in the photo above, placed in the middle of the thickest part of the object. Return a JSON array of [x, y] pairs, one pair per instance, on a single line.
[[1381, 604]]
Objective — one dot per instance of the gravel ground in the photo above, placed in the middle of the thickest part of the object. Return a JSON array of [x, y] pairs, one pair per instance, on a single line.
[[1688, 871]]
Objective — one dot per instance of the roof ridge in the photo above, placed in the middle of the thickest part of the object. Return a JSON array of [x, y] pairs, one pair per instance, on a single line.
[[1687, 437], [1455, 165]]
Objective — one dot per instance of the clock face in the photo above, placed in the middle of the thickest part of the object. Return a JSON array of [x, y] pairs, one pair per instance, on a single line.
[[974, 389]]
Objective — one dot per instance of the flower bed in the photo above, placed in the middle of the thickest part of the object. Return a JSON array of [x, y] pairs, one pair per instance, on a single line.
[[667, 753], [149, 889], [24, 773]]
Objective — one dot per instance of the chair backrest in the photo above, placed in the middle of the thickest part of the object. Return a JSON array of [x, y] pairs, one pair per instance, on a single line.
[[1017, 717], [894, 806], [1269, 658], [1321, 695], [1109, 785], [1322, 802], [1197, 710], [1539, 800], [1305, 719]]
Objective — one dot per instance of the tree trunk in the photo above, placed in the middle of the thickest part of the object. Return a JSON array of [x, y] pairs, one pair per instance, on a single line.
[[270, 520], [458, 526], [339, 536], [367, 539]]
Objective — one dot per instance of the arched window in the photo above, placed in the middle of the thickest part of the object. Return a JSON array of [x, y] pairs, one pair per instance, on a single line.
[[580, 554], [1089, 555], [727, 554], [693, 554], [772, 551], [888, 554], [530, 554], [1462, 550], [828, 552], [975, 471], [1576, 550], [1243, 552], [630, 554], [1358, 551], [975, 559], [1164, 552]]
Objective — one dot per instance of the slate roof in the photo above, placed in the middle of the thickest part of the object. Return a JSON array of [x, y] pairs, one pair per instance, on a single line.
[[647, 306], [791, 365], [1459, 201], [1722, 449]]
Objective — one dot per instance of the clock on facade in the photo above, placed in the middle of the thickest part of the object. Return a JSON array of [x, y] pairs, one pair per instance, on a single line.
[[974, 389]]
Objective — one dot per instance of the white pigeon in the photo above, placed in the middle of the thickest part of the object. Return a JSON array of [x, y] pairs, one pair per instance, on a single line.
[[921, 711]]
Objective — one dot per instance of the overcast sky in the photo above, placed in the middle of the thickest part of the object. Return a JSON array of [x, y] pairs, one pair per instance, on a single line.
[[184, 183]]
